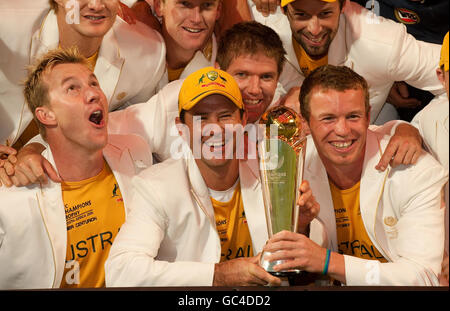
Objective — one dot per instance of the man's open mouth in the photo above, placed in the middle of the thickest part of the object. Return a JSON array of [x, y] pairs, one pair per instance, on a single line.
[[96, 117]]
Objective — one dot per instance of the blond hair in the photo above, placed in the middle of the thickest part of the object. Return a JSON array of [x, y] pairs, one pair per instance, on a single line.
[[36, 89]]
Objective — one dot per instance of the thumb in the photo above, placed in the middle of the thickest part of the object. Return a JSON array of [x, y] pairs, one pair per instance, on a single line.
[[403, 89], [51, 172]]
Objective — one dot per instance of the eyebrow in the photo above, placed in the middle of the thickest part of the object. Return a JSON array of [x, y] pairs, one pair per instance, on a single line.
[[91, 76]]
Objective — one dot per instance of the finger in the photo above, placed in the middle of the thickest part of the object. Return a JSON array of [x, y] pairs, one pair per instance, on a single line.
[[7, 150], [407, 160], [416, 156], [387, 156], [402, 89], [38, 172], [12, 158], [21, 179], [4, 178], [51, 172], [27, 172], [9, 168], [399, 156]]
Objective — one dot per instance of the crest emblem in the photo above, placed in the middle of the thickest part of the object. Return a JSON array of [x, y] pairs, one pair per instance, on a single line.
[[212, 75]]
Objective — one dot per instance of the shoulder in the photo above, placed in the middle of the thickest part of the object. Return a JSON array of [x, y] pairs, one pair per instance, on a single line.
[[167, 174], [437, 109], [138, 38], [363, 24]]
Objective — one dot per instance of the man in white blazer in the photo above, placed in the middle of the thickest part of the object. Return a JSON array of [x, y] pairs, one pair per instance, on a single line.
[[395, 217], [34, 220], [177, 234], [432, 122], [129, 60], [188, 31], [348, 34]]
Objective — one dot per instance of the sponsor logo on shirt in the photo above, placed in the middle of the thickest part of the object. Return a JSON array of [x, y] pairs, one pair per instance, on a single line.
[[406, 16]]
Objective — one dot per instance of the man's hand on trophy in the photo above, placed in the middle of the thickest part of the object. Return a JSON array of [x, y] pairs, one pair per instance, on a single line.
[[297, 252], [308, 208], [243, 272]]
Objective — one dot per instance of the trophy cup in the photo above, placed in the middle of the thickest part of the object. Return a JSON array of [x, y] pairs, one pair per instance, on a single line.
[[281, 154]]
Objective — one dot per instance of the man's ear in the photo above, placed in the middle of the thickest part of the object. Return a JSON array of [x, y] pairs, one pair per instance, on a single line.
[[45, 116], [441, 76], [158, 8], [219, 9]]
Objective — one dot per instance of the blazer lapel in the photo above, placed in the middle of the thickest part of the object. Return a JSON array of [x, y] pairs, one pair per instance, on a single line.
[[253, 203], [317, 177], [127, 155], [109, 65], [52, 207], [46, 37], [337, 53], [371, 191], [199, 190]]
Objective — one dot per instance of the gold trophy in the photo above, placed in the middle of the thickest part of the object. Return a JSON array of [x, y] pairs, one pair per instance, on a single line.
[[281, 155]]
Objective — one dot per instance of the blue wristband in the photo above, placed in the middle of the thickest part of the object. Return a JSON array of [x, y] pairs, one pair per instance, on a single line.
[[327, 262]]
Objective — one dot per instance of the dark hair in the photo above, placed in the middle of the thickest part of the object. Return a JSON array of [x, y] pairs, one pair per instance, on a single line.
[[250, 38], [329, 77]]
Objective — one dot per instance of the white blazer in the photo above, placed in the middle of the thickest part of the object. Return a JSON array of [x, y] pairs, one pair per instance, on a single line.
[[401, 211], [33, 235], [130, 63], [170, 238], [381, 51], [432, 123]]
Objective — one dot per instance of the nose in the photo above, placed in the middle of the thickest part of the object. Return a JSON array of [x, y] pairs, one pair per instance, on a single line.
[[341, 128], [254, 87], [93, 95], [96, 5], [314, 27], [195, 14]]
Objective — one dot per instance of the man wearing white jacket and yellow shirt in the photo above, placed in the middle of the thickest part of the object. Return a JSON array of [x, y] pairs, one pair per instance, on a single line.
[[341, 32], [384, 228], [198, 221], [129, 60], [59, 234]]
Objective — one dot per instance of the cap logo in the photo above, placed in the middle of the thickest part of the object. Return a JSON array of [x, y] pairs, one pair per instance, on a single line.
[[212, 75]]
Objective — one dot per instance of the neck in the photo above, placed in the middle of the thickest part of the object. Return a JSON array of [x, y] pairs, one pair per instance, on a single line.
[[344, 177], [76, 164], [219, 178], [69, 38]]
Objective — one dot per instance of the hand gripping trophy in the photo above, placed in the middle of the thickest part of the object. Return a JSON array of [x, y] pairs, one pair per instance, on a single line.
[[281, 155]]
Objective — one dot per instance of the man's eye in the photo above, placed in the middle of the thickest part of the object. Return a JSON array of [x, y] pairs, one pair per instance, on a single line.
[[240, 75], [326, 13]]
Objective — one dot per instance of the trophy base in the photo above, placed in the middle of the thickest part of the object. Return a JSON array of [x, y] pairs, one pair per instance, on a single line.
[[285, 273]]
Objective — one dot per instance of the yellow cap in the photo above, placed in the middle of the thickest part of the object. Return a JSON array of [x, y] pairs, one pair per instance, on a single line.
[[444, 54], [286, 2], [205, 82]]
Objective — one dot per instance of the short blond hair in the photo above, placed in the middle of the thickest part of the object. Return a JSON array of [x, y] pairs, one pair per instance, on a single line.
[[36, 89]]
